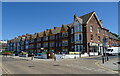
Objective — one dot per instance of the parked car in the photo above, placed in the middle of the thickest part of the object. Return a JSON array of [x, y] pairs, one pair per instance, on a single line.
[[113, 50], [6, 53], [30, 54], [38, 55]]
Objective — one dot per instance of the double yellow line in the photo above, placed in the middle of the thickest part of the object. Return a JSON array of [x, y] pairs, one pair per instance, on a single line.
[[100, 66]]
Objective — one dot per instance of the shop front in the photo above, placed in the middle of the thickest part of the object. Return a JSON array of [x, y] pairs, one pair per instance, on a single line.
[[93, 48]]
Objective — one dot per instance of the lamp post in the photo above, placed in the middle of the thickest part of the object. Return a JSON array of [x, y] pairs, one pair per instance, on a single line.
[[104, 48]]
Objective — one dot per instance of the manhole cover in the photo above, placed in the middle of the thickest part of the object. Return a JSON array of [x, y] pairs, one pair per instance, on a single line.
[[30, 66], [56, 65]]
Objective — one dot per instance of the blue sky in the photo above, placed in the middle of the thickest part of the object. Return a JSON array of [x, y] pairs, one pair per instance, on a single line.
[[32, 17]]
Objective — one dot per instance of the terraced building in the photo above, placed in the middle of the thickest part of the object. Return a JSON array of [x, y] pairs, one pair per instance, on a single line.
[[85, 34]]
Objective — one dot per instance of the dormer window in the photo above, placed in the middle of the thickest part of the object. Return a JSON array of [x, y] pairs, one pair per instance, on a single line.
[[76, 23], [72, 31]]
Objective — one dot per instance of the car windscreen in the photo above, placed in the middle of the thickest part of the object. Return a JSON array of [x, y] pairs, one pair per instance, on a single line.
[[110, 50]]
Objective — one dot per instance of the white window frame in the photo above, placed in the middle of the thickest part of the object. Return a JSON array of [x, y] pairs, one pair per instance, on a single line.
[[91, 28], [98, 30]]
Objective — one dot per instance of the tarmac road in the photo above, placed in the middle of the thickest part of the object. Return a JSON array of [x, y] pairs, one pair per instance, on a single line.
[[63, 66]]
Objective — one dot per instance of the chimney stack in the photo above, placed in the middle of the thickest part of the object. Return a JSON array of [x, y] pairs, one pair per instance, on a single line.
[[101, 21], [23, 35], [55, 27], [47, 29], [19, 36], [27, 34]]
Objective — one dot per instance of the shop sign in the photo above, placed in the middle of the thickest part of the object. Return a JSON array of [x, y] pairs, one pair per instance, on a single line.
[[93, 44], [74, 52], [100, 44]]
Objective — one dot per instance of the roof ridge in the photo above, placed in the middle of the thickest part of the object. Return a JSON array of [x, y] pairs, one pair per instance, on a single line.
[[88, 14]]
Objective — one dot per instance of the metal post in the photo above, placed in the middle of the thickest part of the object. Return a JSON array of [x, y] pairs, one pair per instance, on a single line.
[[80, 55], [103, 59], [32, 56], [107, 58], [54, 58], [75, 57]]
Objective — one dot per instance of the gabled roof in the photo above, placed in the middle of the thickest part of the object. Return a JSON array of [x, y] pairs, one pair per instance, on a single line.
[[86, 17], [40, 34], [113, 37], [34, 36], [46, 32], [27, 37], [55, 31], [50, 31], [64, 27]]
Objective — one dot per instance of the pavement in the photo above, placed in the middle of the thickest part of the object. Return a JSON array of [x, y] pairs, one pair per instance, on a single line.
[[111, 64], [29, 58]]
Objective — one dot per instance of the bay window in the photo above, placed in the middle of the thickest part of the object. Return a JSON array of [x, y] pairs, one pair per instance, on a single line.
[[52, 37], [78, 37], [52, 44], [65, 43], [65, 34]]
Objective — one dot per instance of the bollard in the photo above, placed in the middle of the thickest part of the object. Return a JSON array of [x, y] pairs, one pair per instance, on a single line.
[[74, 57], [80, 55], [107, 58], [31, 57], [103, 59], [54, 58]]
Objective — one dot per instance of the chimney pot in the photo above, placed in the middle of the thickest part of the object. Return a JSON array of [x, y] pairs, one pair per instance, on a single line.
[[101, 21]]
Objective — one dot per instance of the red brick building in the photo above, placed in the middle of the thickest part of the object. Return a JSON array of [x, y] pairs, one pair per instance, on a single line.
[[86, 34]]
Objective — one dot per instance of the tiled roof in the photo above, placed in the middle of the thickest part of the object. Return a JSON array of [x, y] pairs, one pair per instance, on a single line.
[[86, 17], [55, 31], [47, 32], [104, 28], [113, 37], [34, 35], [40, 34]]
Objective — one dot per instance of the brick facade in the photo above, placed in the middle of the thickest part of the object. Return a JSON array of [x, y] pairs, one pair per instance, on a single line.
[[86, 34]]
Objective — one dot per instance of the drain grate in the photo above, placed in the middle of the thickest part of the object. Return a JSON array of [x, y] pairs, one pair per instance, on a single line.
[[56, 65], [31, 66]]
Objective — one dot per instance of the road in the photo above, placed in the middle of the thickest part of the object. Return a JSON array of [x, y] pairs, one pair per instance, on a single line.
[[63, 66]]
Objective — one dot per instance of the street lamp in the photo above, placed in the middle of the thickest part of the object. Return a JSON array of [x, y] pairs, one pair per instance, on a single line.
[[105, 40]]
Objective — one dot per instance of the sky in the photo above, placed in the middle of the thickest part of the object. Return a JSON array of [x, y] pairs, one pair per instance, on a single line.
[[19, 18]]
